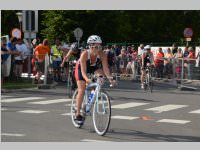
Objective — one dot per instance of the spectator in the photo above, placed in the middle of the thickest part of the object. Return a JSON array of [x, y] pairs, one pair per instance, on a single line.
[[185, 55], [40, 51], [11, 47], [140, 49], [129, 59], [168, 63], [159, 63], [4, 57], [33, 68], [177, 57], [133, 63], [122, 58], [19, 60], [174, 48], [117, 53], [56, 57], [5, 54], [65, 66], [198, 58], [116, 49], [111, 58], [27, 49], [191, 62]]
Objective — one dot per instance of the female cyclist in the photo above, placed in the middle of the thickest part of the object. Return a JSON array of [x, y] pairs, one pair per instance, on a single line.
[[92, 61]]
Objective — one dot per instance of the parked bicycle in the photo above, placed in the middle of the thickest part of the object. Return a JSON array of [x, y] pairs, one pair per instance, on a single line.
[[96, 103]]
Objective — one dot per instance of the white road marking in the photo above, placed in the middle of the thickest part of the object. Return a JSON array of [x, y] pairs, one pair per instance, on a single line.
[[195, 112], [50, 101], [5, 96], [128, 105], [174, 121], [21, 99], [164, 108], [124, 117], [32, 111], [90, 140], [68, 104], [12, 134], [3, 109], [66, 114]]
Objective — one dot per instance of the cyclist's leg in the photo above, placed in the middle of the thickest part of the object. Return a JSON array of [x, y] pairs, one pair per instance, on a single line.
[[79, 98], [142, 78]]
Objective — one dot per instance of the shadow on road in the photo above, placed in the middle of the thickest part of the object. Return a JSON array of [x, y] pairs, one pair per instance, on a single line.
[[137, 136]]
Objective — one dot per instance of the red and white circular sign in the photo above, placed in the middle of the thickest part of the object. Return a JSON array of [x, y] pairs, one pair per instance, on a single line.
[[188, 32], [16, 33]]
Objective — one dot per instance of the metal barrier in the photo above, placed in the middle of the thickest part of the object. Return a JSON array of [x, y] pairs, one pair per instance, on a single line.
[[31, 75], [183, 71], [180, 71]]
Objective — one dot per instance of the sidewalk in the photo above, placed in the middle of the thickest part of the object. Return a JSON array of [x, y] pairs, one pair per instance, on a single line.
[[61, 88]]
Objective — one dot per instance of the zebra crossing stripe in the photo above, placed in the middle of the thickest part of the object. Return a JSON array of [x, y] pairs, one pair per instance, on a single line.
[[165, 108], [21, 99], [90, 140], [32, 111], [12, 134], [128, 105], [5, 96], [50, 101], [66, 114], [3, 109], [195, 112], [174, 121], [124, 117]]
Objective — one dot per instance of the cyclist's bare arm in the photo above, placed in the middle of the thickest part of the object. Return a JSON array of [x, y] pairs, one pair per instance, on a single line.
[[68, 55], [106, 69]]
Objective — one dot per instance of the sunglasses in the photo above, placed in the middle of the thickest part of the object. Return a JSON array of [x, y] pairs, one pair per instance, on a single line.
[[99, 47]]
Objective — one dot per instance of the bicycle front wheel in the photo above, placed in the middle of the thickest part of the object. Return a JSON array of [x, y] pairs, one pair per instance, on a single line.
[[151, 85], [102, 114], [73, 110]]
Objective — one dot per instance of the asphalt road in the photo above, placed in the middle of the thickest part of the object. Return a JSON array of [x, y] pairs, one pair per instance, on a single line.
[[166, 115]]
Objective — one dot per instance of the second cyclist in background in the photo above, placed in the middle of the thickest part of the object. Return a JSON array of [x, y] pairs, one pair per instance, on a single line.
[[147, 59]]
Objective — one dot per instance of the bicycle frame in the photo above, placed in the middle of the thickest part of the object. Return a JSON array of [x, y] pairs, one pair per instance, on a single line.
[[96, 94]]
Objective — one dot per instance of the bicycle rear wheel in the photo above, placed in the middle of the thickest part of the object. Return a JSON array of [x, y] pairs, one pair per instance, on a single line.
[[71, 86], [151, 85], [102, 114]]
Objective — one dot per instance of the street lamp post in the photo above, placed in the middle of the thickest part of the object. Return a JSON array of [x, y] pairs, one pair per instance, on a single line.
[[19, 15]]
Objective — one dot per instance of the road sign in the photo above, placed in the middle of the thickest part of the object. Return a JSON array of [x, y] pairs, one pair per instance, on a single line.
[[188, 32], [16, 33], [78, 33]]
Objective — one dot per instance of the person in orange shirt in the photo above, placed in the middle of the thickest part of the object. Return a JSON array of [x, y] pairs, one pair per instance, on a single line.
[[40, 52], [159, 63]]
